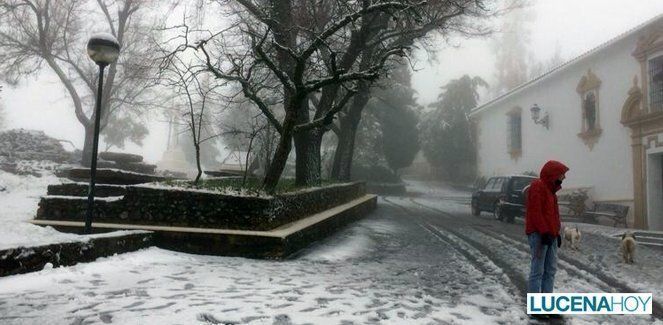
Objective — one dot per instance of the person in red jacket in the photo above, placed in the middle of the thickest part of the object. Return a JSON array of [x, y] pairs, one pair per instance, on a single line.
[[542, 226]]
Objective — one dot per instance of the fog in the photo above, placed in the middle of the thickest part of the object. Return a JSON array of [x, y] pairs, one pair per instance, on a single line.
[[574, 26], [42, 103]]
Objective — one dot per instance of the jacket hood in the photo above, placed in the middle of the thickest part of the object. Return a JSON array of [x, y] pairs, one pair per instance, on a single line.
[[551, 171]]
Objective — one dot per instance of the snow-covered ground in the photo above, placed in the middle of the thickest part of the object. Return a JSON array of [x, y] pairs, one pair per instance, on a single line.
[[18, 204], [596, 267], [369, 273], [404, 264], [599, 249], [438, 195]]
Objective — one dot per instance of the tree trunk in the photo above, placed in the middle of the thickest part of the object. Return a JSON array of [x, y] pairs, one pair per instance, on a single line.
[[278, 162], [86, 158], [200, 170], [307, 149], [346, 139], [308, 167], [281, 12], [247, 164], [345, 150], [277, 165]]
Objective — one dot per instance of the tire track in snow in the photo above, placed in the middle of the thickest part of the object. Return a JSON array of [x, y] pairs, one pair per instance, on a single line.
[[502, 272], [571, 265], [562, 261]]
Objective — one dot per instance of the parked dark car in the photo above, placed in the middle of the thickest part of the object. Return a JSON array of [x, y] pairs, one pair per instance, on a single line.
[[502, 196]]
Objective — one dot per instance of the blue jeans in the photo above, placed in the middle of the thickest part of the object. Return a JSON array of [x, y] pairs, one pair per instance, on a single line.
[[543, 266]]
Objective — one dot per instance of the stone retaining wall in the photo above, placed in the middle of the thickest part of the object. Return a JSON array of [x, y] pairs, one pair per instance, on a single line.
[[109, 176], [81, 189], [181, 208], [292, 206], [29, 259]]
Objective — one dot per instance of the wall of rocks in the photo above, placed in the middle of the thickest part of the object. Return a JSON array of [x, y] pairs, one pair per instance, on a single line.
[[109, 176], [125, 161], [29, 259], [21, 144], [181, 208], [81, 189]]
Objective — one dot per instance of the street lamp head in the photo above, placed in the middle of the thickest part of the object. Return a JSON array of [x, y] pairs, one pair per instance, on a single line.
[[103, 48]]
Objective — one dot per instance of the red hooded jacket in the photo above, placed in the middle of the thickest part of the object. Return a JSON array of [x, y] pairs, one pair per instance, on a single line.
[[542, 213]]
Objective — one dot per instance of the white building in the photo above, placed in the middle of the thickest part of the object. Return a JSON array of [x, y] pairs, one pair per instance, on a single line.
[[605, 121]]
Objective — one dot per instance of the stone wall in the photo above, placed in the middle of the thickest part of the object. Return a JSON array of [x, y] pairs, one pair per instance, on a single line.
[[168, 207], [144, 205], [23, 144], [109, 176], [292, 206], [74, 209], [81, 189], [29, 259]]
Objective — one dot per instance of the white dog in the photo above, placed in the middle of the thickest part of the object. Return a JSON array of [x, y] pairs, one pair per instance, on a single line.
[[628, 247], [572, 237]]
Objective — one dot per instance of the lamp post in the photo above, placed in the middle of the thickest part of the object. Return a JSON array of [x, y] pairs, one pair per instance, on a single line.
[[103, 49]]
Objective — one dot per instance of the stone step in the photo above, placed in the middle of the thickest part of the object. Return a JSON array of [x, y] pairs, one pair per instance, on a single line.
[[81, 189], [649, 240], [142, 168], [120, 157], [653, 234], [277, 243], [109, 176], [83, 198]]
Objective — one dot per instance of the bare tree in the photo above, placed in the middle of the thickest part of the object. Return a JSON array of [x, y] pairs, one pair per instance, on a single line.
[[246, 129], [302, 59], [198, 95], [385, 31], [38, 32]]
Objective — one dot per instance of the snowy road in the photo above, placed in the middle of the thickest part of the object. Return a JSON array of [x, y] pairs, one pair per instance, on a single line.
[[421, 260], [487, 241]]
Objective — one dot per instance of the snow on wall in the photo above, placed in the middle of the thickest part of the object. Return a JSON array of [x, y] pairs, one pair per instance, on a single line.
[[608, 166]]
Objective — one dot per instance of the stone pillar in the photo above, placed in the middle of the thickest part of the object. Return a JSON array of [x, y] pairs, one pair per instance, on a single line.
[[639, 183]]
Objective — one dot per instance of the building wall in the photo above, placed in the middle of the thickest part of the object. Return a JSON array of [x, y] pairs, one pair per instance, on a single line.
[[607, 167]]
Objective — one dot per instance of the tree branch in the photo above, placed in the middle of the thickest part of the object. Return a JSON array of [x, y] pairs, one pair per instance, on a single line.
[[329, 116]]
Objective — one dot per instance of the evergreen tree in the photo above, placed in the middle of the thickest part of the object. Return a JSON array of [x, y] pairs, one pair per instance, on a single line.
[[446, 131], [388, 133]]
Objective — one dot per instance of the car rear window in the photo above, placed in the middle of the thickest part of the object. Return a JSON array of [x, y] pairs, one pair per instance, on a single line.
[[519, 183]]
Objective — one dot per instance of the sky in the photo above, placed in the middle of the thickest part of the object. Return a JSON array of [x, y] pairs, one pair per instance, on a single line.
[[575, 26], [41, 103]]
